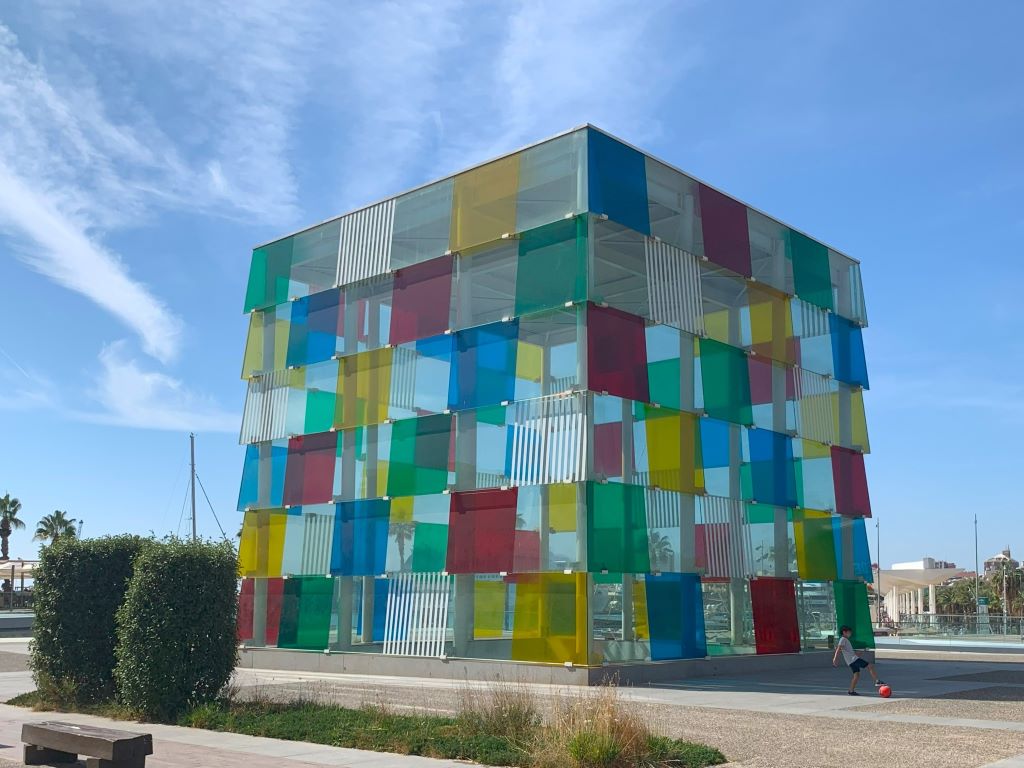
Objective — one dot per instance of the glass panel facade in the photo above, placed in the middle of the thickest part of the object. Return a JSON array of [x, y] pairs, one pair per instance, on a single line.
[[571, 406]]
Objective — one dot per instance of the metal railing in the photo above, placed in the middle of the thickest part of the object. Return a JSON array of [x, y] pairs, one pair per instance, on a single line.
[[954, 629]]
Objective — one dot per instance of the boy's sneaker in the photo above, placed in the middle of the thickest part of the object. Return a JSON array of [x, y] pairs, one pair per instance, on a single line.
[[879, 683], [852, 693]]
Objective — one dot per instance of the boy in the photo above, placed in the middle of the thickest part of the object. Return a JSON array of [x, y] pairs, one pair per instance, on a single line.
[[853, 660]]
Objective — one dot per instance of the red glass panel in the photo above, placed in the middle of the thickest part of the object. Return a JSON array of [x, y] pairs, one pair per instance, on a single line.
[[608, 449], [245, 600], [851, 483], [616, 353], [309, 475], [482, 531], [275, 598], [724, 223], [775, 622], [422, 298]]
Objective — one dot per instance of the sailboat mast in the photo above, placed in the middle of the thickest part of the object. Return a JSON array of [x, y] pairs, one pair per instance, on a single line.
[[192, 452]]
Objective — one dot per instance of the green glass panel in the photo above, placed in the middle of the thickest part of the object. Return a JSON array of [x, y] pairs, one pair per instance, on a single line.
[[429, 547], [663, 379], [617, 528], [269, 275], [319, 411], [552, 265], [726, 382], [306, 613], [852, 609], [812, 276], [491, 414], [419, 455]]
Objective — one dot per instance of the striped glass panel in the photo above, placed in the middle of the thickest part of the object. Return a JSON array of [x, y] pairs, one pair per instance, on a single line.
[[673, 287], [365, 247]]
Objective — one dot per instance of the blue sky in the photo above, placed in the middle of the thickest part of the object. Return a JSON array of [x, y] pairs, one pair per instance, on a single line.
[[145, 147]]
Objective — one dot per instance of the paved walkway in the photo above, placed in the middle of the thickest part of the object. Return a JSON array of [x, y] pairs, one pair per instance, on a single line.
[[947, 712]]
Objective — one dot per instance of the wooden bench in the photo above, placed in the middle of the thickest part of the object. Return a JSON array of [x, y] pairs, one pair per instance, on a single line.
[[52, 742]]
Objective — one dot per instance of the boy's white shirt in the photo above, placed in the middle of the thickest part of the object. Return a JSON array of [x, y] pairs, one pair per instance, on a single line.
[[847, 648]]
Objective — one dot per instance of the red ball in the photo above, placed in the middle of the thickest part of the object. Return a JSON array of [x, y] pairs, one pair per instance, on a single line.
[[884, 691]]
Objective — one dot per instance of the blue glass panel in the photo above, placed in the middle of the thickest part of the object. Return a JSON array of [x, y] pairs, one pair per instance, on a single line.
[[617, 182], [485, 365], [298, 332], [360, 538], [248, 493], [861, 552], [714, 443], [278, 465], [380, 607], [848, 351], [772, 477], [675, 615]]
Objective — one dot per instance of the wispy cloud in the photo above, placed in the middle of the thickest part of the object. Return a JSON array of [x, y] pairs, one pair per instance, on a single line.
[[443, 85], [132, 396]]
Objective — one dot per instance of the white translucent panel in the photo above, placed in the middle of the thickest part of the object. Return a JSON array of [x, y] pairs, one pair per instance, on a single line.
[[552, 181]]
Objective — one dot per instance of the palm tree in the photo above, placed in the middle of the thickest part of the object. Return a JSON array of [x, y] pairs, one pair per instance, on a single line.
[[54, 526], [9, 522], [403, 533], [662, 553]]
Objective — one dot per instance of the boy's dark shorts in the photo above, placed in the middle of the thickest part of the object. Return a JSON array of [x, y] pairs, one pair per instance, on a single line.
[[858, 665]]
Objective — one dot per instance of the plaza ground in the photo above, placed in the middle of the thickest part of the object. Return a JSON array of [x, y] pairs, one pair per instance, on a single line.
[[950, 709]]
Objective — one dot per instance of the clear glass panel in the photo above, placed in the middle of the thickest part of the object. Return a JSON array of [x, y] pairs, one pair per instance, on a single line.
[[619, 269], [293, 267], [814, 483], [309, 534], [813, 331], [673, 202], [816, 609], [772, 544], [847, 288], [773, 395], [552, 181], [726, 313], [770, 259], [361, 465], [418, 533], [548, 355], [728, 616], [422, 224], [368, 314], [485, 290]]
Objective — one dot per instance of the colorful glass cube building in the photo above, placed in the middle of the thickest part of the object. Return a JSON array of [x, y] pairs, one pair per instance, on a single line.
[[570, 406]]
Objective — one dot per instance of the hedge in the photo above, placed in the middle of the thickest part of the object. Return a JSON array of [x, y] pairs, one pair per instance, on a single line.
[[177, 641], [79, 587]]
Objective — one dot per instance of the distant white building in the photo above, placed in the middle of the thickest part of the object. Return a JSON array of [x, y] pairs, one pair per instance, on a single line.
[[995, 563], [924, 564]]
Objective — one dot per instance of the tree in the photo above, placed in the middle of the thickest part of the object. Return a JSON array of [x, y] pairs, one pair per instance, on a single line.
[[403, 533], [9, 522], [54, 526], [661, 551]]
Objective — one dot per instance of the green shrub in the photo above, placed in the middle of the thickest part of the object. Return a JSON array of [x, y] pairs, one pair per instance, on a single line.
[[177, 637], [79, 586]]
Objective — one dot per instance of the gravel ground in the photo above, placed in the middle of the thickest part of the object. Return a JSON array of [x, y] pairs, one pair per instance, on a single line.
[[1001, 702], [754, 739], [13, 662], [763, 740]]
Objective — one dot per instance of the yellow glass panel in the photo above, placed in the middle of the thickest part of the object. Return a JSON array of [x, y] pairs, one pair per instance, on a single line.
[[253, 360], [716, 325], [813, 450], [562, 508], [643, 629], [859, 421], [550, 619], [488, 608], [364, 388], [771, 324], [672, 449], [484, 203], [262, 545], [529, 362], [401, 509]]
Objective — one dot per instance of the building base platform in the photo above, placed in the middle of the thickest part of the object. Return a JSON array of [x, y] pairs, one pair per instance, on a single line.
[[334, 663]]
